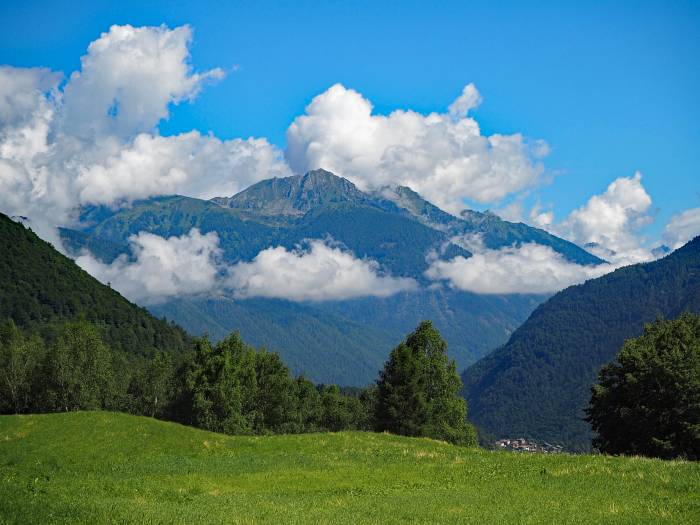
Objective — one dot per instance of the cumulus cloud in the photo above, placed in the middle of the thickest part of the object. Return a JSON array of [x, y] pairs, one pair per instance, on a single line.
[[320, 273], [682, 228], [128, 79], [161, 267], [95, 140], [608, 224], [191, 264], [190, 163], [442, 156], [529, 268]]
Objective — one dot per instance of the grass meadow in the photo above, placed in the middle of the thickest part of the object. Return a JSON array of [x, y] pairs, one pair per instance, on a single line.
[[100, 467]]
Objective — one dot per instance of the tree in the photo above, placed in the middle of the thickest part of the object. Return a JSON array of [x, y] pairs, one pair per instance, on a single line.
[[78, 369], [19, 360], [219, 383], [648, 401], [418, 391], [276, 398], [338, 412], [401, 404], [152, 385], [308, 409]]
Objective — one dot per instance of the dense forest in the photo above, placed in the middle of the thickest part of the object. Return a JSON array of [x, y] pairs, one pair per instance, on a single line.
[[40, 288], [538, 384], [231, 387], [228, 387]]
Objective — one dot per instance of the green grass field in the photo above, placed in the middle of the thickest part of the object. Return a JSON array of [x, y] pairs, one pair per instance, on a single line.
[[98, 467]]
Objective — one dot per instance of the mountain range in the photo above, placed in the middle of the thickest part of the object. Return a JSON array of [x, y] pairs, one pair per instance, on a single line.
[[538, 383], [340, 341]]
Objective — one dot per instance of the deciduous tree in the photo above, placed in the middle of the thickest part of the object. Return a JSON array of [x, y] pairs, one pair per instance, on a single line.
[[648, 401]]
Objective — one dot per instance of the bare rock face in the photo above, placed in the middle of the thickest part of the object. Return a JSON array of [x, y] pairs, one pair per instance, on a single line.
[[295, 195]]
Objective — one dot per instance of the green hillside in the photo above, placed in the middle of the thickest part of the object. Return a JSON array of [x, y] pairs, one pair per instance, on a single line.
[[39, 286], [539, 382], [98, 467]]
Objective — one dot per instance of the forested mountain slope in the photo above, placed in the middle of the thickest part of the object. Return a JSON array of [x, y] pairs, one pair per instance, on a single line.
[[39, 286], [539, 382], [394, 227]]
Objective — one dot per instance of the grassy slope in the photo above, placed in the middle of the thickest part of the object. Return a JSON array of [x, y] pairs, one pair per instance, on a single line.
[[97, 467]]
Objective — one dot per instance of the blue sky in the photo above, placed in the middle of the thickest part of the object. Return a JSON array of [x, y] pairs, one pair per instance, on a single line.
[[611, 86]]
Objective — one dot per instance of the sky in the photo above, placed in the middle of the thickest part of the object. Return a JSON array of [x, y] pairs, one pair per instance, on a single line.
[[581, 118]]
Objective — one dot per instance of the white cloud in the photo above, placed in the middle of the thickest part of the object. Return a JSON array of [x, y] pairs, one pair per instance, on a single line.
[[541, 219], [162, 267], [95, 140], [127, 81], [608, 224], [321, 273], [468, 100], [192, 264], [190, 163], [530, 268], [442, 156], [682, 228]]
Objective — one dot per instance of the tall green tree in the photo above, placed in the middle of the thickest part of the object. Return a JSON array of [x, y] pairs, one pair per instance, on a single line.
[[218, 384], [276, 398], [78, 370], [152, 385], [418, 391], [19, 362], [648, 401], [308, 409]]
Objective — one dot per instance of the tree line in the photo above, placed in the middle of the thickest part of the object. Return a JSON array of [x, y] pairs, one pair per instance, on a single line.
[[229, 386]]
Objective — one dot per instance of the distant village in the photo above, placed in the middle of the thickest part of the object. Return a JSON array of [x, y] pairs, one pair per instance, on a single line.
[[523, 445]]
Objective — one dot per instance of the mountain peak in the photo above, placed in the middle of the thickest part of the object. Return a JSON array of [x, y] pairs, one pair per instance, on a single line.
[[294, 195]]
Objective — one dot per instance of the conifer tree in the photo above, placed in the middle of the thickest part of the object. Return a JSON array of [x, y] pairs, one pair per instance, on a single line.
[[276, 399], [418, 391]]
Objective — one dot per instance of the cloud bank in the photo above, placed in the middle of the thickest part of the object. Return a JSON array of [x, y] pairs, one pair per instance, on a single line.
[[442, 156], [191, 265], [529, 268], [93, 138], [162, 268], [682, 228], [320, 273]]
